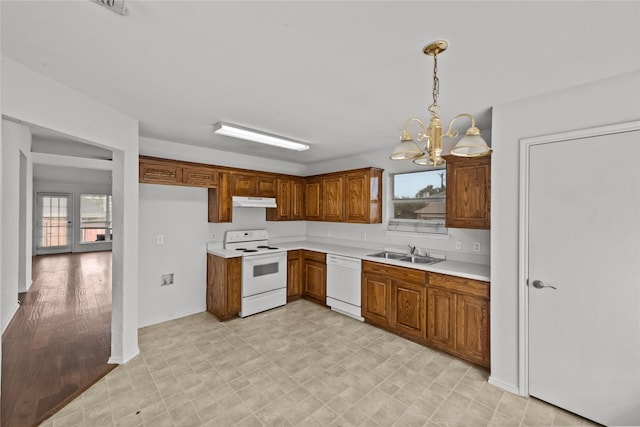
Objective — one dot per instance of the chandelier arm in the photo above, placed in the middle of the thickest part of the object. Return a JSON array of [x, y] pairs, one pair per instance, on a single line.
[[422, 133], [454, 134]]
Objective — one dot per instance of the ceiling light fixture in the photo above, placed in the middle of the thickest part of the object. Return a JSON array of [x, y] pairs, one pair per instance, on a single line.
[[240, 132], [470, 145]]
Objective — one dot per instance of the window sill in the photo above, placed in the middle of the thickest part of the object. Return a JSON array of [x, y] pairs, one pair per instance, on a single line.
[[436, 236], [98, 242]]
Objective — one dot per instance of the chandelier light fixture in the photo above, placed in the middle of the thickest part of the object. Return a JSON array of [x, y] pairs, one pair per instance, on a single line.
[[470, 145]]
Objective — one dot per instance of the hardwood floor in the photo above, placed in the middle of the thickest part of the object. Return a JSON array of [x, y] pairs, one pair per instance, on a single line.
[[59, 341]]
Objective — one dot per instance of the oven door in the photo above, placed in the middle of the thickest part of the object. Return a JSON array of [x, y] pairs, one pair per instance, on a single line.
[[263, 273]]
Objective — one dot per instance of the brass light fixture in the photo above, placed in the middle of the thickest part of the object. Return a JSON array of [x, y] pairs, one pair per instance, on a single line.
[[470, 145]]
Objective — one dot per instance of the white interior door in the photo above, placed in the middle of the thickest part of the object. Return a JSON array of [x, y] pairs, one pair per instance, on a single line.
[[54, 223], [584, 240]]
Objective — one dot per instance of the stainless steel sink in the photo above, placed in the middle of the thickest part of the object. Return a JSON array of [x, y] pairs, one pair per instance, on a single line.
[[414, 259], [420, 259], [389, 255]]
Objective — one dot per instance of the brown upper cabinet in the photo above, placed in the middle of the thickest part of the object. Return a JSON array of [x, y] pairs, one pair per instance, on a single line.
[[244, 184], [289, 200], [468, 192], [332, 198], [363, 196], [266, 186], [313, 199], [348, 196], [220, 206], [171, 172]]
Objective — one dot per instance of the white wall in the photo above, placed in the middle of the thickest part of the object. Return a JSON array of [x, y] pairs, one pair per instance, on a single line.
[[79, 181], [36, 99], [16, 139], [604, 102]]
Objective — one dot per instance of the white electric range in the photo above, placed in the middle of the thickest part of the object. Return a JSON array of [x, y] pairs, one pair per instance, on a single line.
[[264, 270]]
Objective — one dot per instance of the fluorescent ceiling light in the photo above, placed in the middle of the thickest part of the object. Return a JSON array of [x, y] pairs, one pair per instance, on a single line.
[[239, 132]]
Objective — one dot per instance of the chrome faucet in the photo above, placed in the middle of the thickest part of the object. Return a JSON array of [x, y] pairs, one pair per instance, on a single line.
[[412, 249]]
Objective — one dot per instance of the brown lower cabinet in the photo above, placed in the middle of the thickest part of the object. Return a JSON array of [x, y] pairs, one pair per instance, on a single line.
[[458, 317], [224, 286], [442, 311], [294, 274], [314, 276]]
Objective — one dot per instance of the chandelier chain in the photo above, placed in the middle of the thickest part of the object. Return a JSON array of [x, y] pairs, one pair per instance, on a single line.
[[434, 108]]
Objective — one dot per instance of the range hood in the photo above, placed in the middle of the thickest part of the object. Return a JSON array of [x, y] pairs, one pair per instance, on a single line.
[[254, 202]]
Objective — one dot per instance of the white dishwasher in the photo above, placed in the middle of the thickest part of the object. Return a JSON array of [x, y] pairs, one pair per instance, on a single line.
[[343, 285]]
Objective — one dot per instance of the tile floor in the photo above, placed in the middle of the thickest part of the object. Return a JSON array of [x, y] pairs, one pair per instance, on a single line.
[[299, 365]]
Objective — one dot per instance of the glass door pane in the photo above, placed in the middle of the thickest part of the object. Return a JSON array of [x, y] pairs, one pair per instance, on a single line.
[[54, 223]]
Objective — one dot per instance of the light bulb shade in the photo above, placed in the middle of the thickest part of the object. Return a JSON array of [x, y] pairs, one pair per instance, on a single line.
[[406, 150], [471, 145], [425, 160]]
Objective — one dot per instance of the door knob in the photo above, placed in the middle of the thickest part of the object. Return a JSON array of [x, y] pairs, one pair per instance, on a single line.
[[539, 284]]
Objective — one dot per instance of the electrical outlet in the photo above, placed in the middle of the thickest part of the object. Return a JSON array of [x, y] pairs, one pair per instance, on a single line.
[[159, 239], [213, 236], [166, 279], [458, 245], [476, 246], [364, 236]]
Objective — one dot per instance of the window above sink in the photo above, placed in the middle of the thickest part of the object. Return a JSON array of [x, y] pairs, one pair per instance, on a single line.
[[418, 202]]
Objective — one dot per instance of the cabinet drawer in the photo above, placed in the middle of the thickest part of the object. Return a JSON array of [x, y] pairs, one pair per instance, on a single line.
[[315, 256], [201, 177], [402, 273], [461, 285], [160, 173]]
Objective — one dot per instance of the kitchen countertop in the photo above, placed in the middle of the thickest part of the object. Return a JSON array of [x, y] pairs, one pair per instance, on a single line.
[[467, 270]]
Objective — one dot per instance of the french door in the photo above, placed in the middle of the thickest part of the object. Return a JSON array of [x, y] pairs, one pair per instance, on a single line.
[[54, 226]]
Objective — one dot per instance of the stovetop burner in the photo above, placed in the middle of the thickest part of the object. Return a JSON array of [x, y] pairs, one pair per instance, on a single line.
[[250, 250], [266, 247]]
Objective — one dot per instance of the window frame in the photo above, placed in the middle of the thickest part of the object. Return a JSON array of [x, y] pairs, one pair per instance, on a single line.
[[108, 222], [417, 226]]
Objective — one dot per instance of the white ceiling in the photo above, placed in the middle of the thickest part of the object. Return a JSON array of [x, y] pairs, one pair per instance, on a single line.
[[342, 76]]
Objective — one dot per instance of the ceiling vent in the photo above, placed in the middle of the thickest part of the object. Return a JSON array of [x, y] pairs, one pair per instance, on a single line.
[[117, 6]]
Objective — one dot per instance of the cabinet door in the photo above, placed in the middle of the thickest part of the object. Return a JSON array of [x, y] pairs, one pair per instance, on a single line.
[[409, 315], [234, 286], [356, 197], [376, 299], [472, 328], [441, 318], [313, 200], [244, 185], [294, 274], [332, 199], [315, 280], [266, 186], [469, 193], [199, 177], [297, 199], [315, 275], [224, 286], [220, 204], [157, 172], [283, 199]]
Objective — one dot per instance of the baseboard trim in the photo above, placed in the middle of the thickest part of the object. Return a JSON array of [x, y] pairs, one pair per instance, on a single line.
[[504, 386], [174, 316], [122, 360], [13, 313]]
